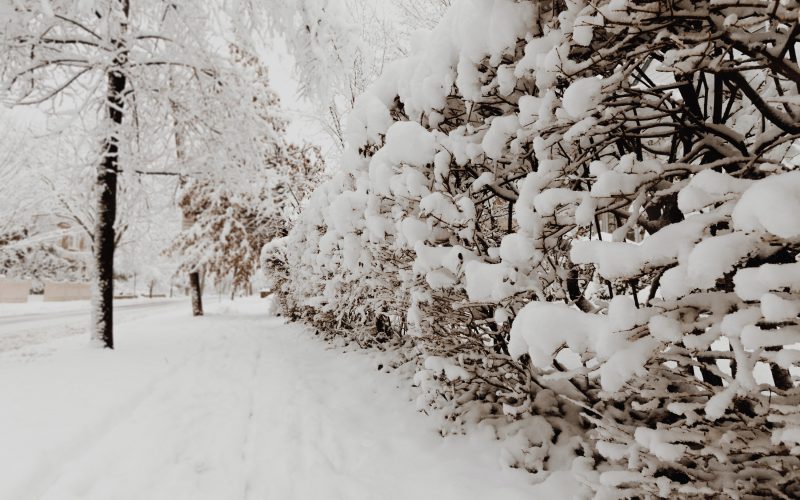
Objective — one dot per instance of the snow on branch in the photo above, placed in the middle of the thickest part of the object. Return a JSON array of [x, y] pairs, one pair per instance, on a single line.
[[605, 193]]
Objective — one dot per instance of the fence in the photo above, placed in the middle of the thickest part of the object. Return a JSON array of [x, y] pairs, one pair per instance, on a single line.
[[60, 292], [12, 290]]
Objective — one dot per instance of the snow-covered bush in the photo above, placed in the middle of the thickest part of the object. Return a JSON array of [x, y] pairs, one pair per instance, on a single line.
[[606, 192]]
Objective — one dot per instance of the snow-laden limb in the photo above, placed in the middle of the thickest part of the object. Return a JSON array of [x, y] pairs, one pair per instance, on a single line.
[[608, 197]]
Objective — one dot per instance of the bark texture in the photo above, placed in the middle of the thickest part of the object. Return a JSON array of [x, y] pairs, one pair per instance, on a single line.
[[107, 171], [197, 294]]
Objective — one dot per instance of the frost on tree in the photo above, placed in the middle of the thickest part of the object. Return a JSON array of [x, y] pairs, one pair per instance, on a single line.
[[248, 199], [600, 193], [128, 76], [29, 249], [232, 222], [47, 49]]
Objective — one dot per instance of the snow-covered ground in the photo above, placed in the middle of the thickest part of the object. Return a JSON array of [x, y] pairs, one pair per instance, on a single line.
[[35, 322], [233, 405], [37, 306]]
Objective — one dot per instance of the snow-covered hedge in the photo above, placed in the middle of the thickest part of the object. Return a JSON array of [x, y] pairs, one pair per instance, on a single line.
[[602, 194]]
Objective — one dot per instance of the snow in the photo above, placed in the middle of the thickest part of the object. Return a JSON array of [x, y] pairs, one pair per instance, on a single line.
[[501, 129], [582, 96], [239, 404], [431, 258], [705, 219], [771, 204], [583, 28], [529, 109], [414, 231], [547, 202], [406, 142], [36, 306], [443, 365], [625, 363], [506, 79], [486, 281], [657, 443], [665, 328], [444, 207], [776, 309], [718, 404], [440, 279], [730, 20], [753, 282], [370, 120], [518, 249], [468, 79], [561, 484], [441, 166], [584, 214], [710, 259], [753, 337], [708, 187], [622, 259], [232, 405], [582, 35], [342, 208], [541, 328], [790, 435], [36, 322]]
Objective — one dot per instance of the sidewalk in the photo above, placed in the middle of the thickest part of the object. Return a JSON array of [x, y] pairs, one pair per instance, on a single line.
[[234, 405]]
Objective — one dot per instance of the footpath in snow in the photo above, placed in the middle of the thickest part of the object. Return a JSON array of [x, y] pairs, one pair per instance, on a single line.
[[235, 405]]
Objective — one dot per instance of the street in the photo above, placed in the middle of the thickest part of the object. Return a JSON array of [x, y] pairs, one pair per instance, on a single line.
[[37, 326]]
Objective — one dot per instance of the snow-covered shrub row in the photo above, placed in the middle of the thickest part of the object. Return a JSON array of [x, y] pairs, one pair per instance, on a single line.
[[604, 195]]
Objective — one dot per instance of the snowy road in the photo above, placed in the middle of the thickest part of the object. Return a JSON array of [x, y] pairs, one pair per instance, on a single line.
[[28, 328], [26, 319], [235, 405]]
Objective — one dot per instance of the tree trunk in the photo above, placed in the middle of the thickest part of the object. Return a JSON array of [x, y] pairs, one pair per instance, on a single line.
[[195, 289], [197, 294], [104, 242], [103, 291]]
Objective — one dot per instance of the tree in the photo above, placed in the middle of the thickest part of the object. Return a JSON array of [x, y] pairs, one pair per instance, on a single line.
[[239, 168], [417, 15], [232, 222], [340, 46], [15, 206], [29, 236], [133, 74]]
